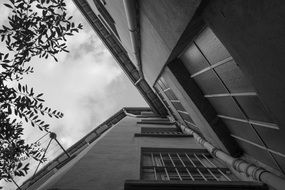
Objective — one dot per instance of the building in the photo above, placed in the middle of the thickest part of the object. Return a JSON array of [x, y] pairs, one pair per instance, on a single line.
[[214, 67], [136, 149]]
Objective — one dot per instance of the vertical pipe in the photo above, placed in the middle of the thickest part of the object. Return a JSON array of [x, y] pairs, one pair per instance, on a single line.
[[238, 164], [131, 16]]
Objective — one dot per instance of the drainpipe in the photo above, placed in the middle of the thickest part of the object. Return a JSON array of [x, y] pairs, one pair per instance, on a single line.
[[238, 164], [133, 26], [129, 114], [133, 115]]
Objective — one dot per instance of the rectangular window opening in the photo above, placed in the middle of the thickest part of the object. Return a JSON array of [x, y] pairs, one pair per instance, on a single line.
[[181, 165]]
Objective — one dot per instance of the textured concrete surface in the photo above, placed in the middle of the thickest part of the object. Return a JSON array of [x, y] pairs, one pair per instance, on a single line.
[[162, 22], [253, 32], [115, 158]]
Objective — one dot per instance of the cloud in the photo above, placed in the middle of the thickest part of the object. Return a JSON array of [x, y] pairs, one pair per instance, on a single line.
[[70, 85], [4, 14], [87, 85]]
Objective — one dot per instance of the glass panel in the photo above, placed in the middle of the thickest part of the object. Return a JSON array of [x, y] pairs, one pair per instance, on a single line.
[[182, 166], [233, 78], [193, 60], [148, 174], [170, 95], [211, 46], [178, 106], [210, 83], [163, 82], [226, 106], [254, 109]]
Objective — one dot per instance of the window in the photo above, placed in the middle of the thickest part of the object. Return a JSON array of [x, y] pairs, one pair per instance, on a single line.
[[163, 88], [160, 121], [161, 132], [181, 165], [232, 95]]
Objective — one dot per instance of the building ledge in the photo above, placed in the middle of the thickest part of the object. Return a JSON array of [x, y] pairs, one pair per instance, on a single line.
[[161, 135], [193, 185]]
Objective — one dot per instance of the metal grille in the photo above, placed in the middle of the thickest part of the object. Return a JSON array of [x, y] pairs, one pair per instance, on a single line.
[[161, 130], [182, 165], [163, 133]]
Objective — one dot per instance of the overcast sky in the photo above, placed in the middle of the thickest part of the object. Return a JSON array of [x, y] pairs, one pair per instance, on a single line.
[[87, 84]]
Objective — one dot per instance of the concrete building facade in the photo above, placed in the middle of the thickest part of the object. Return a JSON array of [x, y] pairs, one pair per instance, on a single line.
[[215, 68], [136, 149]]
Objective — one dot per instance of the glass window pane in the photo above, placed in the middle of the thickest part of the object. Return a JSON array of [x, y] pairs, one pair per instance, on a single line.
[[211, 46], [193, 60]]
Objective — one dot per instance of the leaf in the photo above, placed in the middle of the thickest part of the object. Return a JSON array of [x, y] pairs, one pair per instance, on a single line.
[[31, 93], [9, 110], [39, 6], [6, 56], [22, 173], [17, 173], [19, 87], [19, 165], [7, 5]]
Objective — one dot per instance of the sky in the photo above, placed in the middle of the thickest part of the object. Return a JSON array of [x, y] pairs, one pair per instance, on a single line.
[[87, 85]]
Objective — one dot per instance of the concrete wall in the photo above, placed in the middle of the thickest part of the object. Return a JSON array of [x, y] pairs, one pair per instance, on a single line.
[[117, 11], [253, 32], [162, 22], [115, 158]]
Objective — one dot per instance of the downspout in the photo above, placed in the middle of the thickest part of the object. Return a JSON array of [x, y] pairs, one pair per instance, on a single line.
[[133, 115], [129, 114], [238, 164], [133, 26]]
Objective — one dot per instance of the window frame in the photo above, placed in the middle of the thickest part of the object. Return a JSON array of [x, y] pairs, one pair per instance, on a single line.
[[224, 171]]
